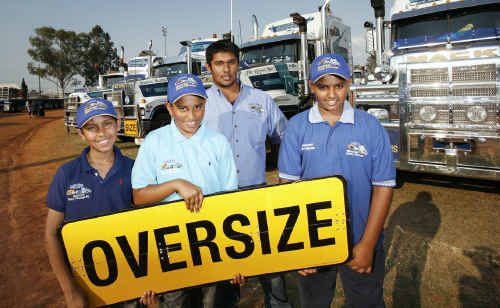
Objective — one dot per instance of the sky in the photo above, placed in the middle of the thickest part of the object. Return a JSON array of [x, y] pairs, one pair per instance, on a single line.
[[133, 23]]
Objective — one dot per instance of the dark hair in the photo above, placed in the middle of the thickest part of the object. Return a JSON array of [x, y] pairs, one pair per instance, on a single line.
[[221, 46]]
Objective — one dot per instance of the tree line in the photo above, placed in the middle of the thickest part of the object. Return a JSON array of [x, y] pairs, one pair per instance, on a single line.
[[60, 56]]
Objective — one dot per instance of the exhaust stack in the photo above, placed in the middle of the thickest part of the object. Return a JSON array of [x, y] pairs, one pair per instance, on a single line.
[[255, 24], [379, 8], [300, 21]]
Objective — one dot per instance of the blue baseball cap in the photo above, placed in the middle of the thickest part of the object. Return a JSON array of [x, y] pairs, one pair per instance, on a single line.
[[185, 84], [329, 64], [92, 108]]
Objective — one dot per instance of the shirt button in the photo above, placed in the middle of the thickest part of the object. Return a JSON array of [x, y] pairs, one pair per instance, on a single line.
[[237, 155], [235, 125], [234, 112], [237, 171], [236, 140]]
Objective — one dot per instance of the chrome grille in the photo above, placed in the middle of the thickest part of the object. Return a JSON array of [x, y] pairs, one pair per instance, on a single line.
[[483, 72], [460, 114], [429, 75], [474, 91], [442, 114], [428, 92]]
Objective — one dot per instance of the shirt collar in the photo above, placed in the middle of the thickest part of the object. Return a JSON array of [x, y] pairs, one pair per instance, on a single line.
[[220, 94], [179, 137], [346, 117]]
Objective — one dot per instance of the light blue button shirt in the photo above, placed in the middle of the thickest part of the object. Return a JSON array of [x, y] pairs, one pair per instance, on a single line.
[[205, 160], [246, 123]]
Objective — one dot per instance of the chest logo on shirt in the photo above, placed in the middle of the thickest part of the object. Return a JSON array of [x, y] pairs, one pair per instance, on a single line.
[[78, 192], [257, 108], [308, 147], [171, 165], [356, 149]]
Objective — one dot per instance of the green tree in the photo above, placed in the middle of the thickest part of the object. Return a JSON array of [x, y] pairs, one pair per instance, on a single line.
[[58, 55], [24, 88], [97, 55]]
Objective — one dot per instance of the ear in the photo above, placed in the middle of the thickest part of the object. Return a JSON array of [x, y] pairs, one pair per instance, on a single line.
[[209, 68], [170, 108], [80, 133]]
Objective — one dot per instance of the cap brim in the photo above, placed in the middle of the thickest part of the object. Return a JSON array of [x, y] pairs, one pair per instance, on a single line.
[[101, 114], [335, 74], [181, 96]]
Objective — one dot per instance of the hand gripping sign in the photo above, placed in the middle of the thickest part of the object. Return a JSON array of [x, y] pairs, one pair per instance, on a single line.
[[165, 247]]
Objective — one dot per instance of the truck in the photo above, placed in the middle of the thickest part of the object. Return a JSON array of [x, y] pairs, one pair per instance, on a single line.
[[142, 102], [78, 96], [12, 98], [437, 86], [141, 106], [277, 61]]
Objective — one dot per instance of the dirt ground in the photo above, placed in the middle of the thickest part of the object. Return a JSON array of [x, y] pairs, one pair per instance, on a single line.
[[441, 236]]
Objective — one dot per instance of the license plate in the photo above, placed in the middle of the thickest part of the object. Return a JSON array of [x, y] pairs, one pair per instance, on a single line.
[[130, 128]]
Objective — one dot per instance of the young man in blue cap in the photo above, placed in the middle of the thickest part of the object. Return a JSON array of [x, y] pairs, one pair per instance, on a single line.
[[329, 139], [246, 116], [184, 160], [95, 183]]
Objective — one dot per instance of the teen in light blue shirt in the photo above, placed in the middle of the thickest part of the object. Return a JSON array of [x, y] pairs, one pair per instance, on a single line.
[[205, 160]]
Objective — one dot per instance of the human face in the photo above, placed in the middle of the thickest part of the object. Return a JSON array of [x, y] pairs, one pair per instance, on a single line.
[[187, 113], [100, 133], [330, 92], [223, 67]]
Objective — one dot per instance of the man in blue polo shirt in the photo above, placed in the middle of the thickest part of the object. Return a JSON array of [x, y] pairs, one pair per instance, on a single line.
[[329, 139], [184, 160], [95, 183], [246, 116]]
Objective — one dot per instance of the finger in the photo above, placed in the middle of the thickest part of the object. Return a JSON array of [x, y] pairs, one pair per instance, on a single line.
[[201, 200], [197, 203]]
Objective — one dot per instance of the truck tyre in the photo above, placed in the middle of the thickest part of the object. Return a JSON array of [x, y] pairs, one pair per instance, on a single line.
[[160, 119]]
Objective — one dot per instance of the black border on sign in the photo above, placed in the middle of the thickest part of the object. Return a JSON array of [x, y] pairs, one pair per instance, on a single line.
[[346, 208]]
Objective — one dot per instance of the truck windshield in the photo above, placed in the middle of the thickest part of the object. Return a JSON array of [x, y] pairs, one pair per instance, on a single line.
[[200, 46], [271, 53], [282, 79], [170, 69], [455, 25], [154, 89], [138, 62], [109, 81]]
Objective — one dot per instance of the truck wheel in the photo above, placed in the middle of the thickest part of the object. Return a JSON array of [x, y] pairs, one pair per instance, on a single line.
[[160, 119]]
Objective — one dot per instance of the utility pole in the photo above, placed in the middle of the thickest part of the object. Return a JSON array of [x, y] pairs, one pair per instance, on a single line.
[[164, 33]]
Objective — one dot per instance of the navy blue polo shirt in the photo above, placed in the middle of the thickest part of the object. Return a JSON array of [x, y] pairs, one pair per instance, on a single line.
[[78, 190], [357, 147]]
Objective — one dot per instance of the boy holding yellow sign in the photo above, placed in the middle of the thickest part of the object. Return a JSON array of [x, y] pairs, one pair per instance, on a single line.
[[184, 160], [332, 138]]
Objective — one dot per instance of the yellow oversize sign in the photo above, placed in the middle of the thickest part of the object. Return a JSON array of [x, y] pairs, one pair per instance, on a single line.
[[165, 247]]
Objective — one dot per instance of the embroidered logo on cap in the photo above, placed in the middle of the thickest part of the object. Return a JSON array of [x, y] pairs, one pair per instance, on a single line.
[[327, 63], [96, 105], [182, 83]]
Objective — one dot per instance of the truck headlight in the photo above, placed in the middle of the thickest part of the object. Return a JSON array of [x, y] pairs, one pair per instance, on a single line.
[[379, 113], [427, 113], [476, 114], [141, 112]]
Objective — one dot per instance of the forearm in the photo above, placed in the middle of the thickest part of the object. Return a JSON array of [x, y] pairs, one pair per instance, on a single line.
[[381, 200], [57, 262], [154, 193]]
